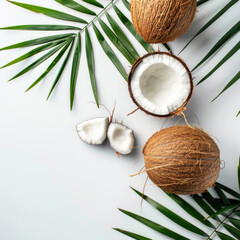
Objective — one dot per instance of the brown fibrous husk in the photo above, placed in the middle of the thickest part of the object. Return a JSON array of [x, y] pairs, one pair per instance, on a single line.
[[182, 160], [181, 108], [162, 21]]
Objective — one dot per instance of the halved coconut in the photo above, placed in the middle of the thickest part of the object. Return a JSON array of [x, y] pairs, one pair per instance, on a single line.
[[160, 84], [93, 131], [121, 138]]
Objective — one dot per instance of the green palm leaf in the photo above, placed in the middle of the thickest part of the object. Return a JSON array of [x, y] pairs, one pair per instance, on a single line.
[[171, 215], [38, 41], [234, 80], [200, 2], [235, 222], [190, 209], [234, 231], [126, 4], [33, 52], [39, 61], [115, 40], [222, 196], [109, 52], [132, 235], [41, 27], [91, 66], [75, 69], [224, 236], [238, 114], [235, 29], [212, 20], [131, 29], [94, 2], [157, 227], [228, 56], [75, 6], [49, 12], [122, 37], [61, 70], [228, 190], [51, 66], [239, 172], [225, 210], [211, 200], [206, 208]]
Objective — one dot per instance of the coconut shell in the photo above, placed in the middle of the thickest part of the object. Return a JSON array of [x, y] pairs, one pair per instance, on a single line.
[[182, 160], [182, 107], [162, 21]]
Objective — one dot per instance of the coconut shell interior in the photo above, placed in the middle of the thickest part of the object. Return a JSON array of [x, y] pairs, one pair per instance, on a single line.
[[178, 110]]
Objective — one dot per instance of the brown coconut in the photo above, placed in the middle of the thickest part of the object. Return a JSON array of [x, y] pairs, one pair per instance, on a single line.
[[162, 21], [182, 160]]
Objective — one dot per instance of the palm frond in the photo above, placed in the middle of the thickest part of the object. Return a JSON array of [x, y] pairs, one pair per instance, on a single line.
[[63, 66], [75, 68], [225, 58], [132, 235], [39, 61], [225, 208], [113, 33], [34, 52], [50, 12], [224, 236], [109, 52], [211, 21], [190, 209], [52, 65], [94, 3], [200, 2], [42, 27], [234, 80], [38, 41], [234, 231], [234, 30], [91, 66], [75, 6], [171, 215], [157, 227]]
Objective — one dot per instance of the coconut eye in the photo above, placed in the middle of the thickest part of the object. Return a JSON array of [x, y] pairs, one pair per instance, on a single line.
[[121, 138], [160, 84], [93, 131]]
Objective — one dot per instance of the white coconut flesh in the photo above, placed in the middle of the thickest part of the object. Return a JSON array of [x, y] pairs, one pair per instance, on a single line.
[[93, 131], [121, 138], [160, 84]]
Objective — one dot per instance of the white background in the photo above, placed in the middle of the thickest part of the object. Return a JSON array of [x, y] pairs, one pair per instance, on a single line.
[[52, 185]]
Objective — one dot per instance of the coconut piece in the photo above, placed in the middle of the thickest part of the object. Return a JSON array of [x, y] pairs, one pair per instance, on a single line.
[[121, 138], [160, 84], [93, 131], [162, 21], [182, 160]]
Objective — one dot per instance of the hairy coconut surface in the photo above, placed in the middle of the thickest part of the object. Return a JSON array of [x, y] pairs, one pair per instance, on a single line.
[[162, 21], [182, 160], [160, 84]]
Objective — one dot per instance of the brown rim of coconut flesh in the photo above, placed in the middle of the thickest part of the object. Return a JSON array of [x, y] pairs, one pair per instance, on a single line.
[[165, 58]]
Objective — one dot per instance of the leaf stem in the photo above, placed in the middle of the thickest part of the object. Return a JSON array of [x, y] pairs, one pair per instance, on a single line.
[[219, 225], [99, 14]]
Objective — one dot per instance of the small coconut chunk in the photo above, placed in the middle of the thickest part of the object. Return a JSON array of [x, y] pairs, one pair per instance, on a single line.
[[93, 131], [121, 138]]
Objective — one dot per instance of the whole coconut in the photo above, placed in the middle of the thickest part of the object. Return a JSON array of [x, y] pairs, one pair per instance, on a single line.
[[182, 160], [162, 21]]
